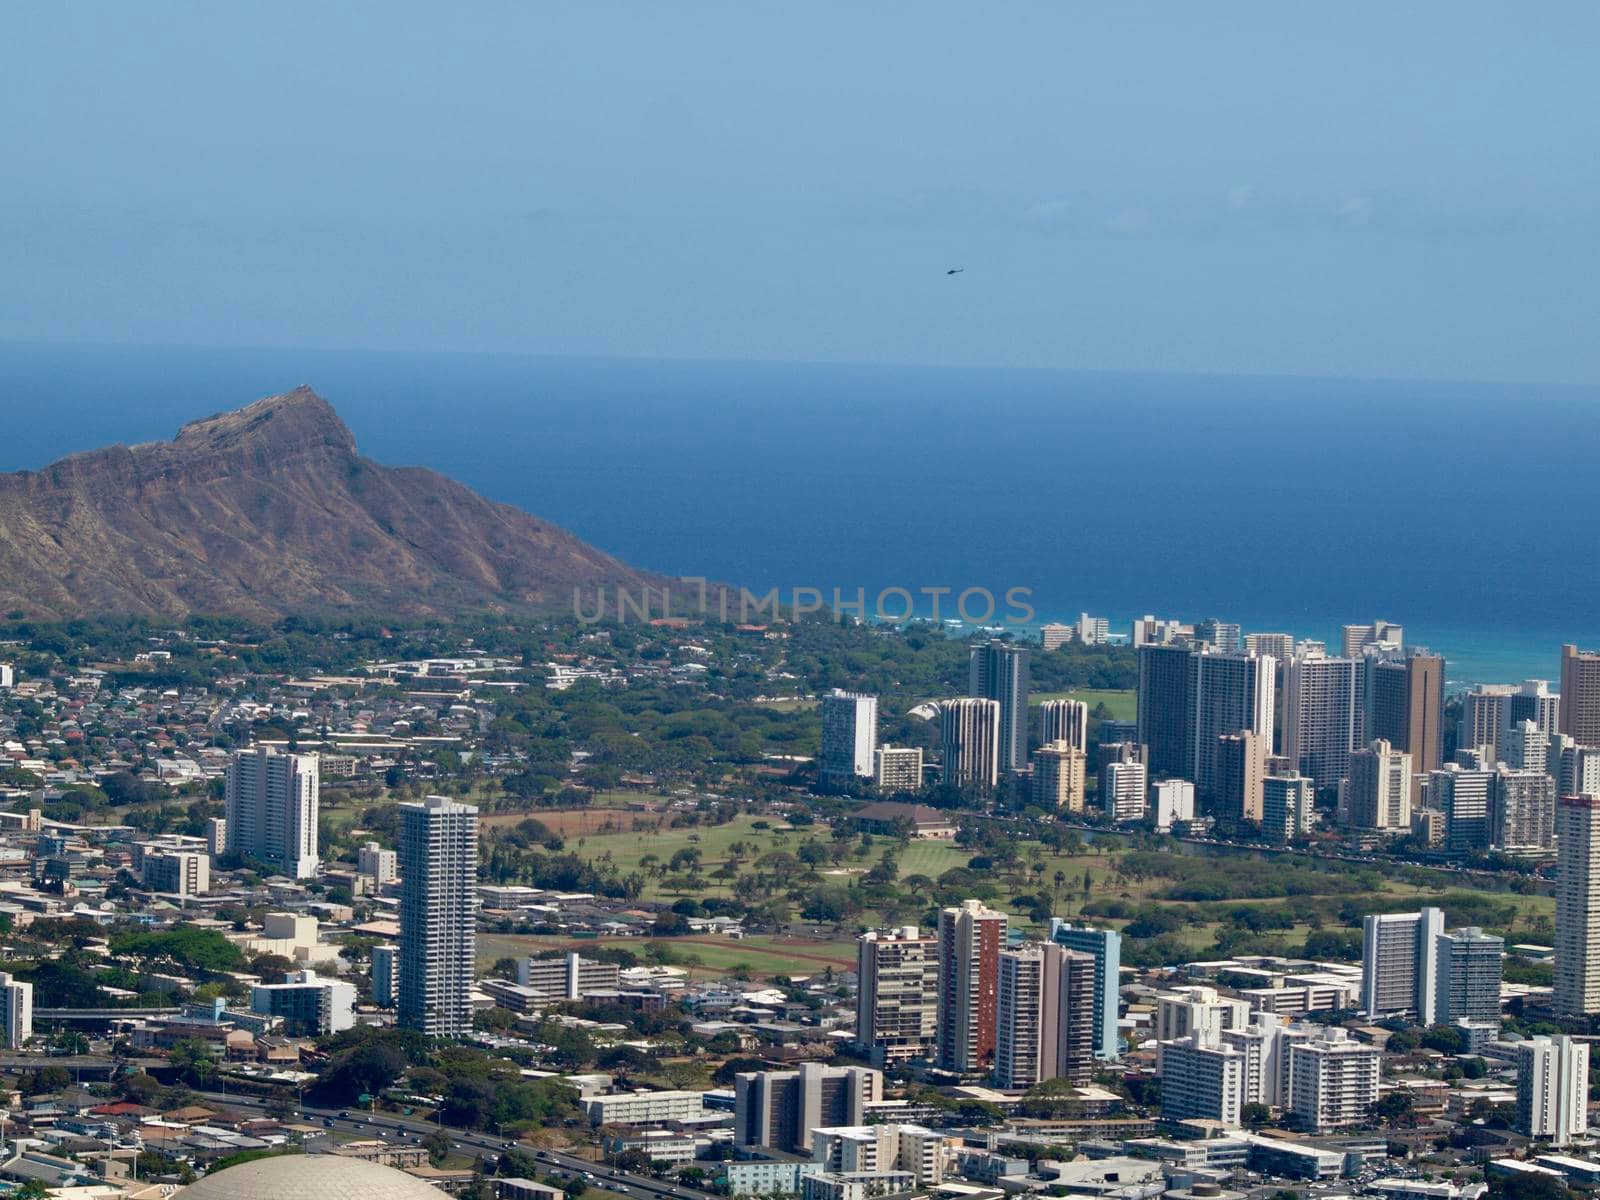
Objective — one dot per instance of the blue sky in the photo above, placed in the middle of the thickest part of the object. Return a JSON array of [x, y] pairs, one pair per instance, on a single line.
[[1364, 189]]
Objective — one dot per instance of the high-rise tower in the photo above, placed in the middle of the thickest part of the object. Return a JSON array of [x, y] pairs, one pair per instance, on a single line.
[[999, 671], [271, 809], [438, 915], [971, 937]]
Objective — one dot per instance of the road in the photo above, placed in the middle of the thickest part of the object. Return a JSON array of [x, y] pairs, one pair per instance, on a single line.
[[400, 1129]]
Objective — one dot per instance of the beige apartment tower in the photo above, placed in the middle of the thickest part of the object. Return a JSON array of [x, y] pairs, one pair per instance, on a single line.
[[1377, 795], [1241, 772], [897, 768], [1059, 769], [1579, 713], [1405, 704], [897, 1002]]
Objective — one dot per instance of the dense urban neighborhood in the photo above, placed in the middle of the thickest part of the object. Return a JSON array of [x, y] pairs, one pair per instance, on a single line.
[[801, 908]]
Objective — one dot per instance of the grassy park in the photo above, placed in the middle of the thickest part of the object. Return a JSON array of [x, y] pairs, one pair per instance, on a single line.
[[1218, 901], [1121, 704]]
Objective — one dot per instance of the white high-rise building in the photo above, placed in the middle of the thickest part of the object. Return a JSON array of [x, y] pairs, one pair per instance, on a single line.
[[1201, 1010], [1380, 635], [1377, 793], [1201, 1079], [216, 836], [1093, 631], [1044, 1022], [1225, 636], [1525, 747], [1288, 806], [1123, 789], [849, 736], [16, 1011], [1577, 981], [438, 915], [1490, 712], [1575, 768], [383, 865], [1466, 798], [1333, 1080], [1155, 631], [271, 811], [1274, 645], [8, 676], [969, 738], [309, 1004], [1265, 1045], [1064, 721], [1323, 715], [1553, 1088], [1173, 801], [1399, 964], [1523, 816], [1482, 713], [876, 1150], [1533, 701]]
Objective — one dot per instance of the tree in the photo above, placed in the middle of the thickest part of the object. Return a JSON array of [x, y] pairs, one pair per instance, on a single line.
[[1444, 1038], [1530, 1187], [1255, 1115], [192, 1060], [437, 1144], [280, 1104], [369, 1068], [140, 1088], [1394, 1108]]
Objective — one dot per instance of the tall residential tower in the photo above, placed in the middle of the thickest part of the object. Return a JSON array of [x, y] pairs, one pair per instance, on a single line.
[[438, 915], [849, 736], [271, 809], [971, 937], [999, 671]]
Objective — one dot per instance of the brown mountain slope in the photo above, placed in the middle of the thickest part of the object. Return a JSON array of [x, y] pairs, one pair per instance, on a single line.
[[270, 510]]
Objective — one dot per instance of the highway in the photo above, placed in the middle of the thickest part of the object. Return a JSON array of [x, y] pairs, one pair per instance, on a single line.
[[398, 1129]]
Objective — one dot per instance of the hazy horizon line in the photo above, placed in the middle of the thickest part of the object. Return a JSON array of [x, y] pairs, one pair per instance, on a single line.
[[1591, 389]]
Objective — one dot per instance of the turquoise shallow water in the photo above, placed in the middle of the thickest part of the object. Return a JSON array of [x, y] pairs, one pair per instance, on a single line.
[[1465, 512]]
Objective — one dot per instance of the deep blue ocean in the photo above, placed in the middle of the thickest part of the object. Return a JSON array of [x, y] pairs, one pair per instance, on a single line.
[[1465, 512]]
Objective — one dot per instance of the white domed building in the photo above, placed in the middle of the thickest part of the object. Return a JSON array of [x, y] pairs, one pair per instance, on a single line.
[[309, 1177]]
